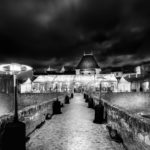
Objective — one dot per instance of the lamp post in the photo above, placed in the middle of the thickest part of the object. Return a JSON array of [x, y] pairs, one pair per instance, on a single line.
[[15, 99], [14, 132], [16, 69]]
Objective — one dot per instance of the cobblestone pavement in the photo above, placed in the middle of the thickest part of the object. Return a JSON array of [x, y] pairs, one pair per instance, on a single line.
[[72, 130]]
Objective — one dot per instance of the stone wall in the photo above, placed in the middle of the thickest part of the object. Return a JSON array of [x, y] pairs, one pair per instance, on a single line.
[[32, 116], [24, 100], [28, 99], [134, 129]]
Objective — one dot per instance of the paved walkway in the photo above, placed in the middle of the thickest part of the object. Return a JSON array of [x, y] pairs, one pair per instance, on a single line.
[[72, 130]]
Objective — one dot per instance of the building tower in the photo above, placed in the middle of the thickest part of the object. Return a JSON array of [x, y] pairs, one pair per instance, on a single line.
[[88, 65]]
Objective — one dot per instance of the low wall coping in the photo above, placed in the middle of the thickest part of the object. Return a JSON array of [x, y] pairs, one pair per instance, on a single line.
[[138, 117]]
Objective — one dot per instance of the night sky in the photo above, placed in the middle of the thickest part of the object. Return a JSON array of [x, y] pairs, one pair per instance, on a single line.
[[57, 32]]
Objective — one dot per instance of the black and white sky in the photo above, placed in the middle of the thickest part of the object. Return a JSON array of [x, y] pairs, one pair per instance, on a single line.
[[57, 32]]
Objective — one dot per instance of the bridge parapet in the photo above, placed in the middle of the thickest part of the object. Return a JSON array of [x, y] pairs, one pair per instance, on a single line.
[[33, 116], [133, 128]]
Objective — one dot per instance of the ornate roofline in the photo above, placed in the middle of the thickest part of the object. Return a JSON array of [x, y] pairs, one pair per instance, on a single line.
[[88, 57]]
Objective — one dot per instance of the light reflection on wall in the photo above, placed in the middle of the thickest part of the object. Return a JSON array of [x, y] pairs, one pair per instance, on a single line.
[[132, 101]]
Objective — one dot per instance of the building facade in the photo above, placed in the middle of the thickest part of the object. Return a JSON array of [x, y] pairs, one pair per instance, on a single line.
[[88, 65], [87, 76]]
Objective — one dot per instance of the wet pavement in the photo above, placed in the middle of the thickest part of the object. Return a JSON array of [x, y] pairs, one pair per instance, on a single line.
[[73, 130]]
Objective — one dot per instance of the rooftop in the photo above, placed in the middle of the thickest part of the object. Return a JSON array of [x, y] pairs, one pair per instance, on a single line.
[[88, 61]]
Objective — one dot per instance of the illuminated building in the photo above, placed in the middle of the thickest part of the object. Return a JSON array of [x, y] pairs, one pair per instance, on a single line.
[[88, 65], [87, 76]]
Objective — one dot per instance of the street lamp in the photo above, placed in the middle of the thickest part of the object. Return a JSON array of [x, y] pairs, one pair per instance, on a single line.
[[14, 132], [15, 69]]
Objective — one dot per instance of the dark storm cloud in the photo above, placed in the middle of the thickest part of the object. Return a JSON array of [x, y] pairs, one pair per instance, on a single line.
[[57, 32]]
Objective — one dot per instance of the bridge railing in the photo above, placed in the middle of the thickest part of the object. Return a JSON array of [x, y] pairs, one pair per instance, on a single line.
[[133, 128], [33, 115]]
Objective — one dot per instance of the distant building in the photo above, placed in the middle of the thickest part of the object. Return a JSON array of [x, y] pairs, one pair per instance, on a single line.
[[124, 85], [51, 70], [87, 75], [40, 71], [88, 65], [138, 70], [26, 87], [140, 80], [62, 70], [118, 74], [67, 70]]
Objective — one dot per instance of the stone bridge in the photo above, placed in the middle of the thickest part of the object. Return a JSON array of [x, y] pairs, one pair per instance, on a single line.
[[131, 125], [74, 128]]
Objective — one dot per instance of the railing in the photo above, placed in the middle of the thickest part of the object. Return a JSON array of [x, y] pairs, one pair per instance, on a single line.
[[133, 128]]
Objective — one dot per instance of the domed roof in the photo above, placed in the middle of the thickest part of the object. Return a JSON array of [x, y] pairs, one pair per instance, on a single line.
[[87, 62]]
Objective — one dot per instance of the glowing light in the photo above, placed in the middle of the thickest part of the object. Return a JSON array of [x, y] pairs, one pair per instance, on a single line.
[[14, 68]]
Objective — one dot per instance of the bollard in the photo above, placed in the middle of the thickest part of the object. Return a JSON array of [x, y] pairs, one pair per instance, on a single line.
[[72, 95], [90, 103], [99, 114], [67, 99], [14, 136], [87, 99], [57, 107], [84, 95]]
